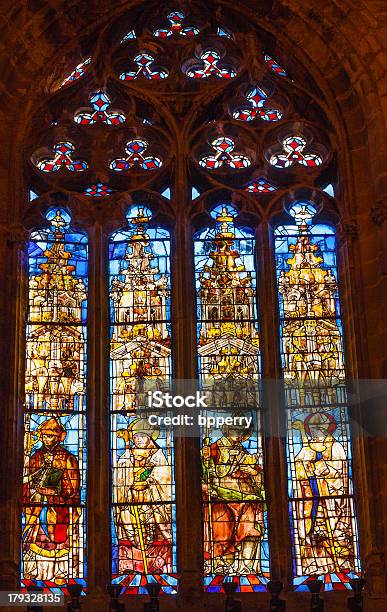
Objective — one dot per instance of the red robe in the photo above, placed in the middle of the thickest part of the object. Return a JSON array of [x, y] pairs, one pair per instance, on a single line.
[[231, 521], [55, 533]]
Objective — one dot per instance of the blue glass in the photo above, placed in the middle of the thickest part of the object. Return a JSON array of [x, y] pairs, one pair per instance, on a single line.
[[234, 515], [320, 486], [54, 481], [143, 520]]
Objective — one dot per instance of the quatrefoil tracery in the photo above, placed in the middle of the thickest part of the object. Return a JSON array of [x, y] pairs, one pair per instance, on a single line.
[[224, 147], [176, 27], [135, 150], [293, 147], [208, 66], [62, 159], [257, 98], [100, 103], [145, 69]]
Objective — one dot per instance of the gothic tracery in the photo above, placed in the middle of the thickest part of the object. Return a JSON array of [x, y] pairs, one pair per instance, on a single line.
[[275, 153]]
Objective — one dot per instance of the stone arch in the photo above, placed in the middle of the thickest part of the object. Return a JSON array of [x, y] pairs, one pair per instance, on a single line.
[[338, 43]]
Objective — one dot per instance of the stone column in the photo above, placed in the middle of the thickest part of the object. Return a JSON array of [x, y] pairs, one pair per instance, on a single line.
[[98, 472], [13, 279], [187, 449], [369, 463], [274, 410]]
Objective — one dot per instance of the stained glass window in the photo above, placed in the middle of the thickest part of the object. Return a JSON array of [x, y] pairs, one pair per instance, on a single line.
[[293, 153], [98, 190], [330, 190], [100, 112], [256, 105], [234, 507], [178, 113], [131, 35], [176, 27], [53, 528], [136, 155], [209, 63], [275, 66], [62, 158], [166, 193], [142, 455], [321, 504], [195, 193], [260, 185], [145, 69], [225, 156], [32, 195], [223, 31], [77, 73]]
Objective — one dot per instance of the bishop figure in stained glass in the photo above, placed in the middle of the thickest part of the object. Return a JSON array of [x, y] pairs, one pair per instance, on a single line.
[[143, 481], [54, 420], [322, 507], [143, 508], [234, 509]]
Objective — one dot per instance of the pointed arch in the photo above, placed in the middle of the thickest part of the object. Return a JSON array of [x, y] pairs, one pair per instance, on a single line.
[[142, 449], [319, 454], [54, 477], [349, 119], [235, 538]]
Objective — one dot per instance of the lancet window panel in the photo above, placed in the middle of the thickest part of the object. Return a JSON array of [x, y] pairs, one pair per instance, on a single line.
[[235, 539], [54, 474], [321, 503], [143, 523]]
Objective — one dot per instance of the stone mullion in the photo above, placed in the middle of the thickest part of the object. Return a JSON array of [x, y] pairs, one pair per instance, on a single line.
[[98, 465], [365, 447], [13, 246], [274, 416], [187, 448]]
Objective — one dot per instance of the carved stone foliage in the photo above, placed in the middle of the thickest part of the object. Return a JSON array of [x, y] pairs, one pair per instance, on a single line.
[[349, 228], [379, 211]]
